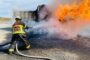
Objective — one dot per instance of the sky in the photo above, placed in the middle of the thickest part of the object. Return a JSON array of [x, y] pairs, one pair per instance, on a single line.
[[7, 6]]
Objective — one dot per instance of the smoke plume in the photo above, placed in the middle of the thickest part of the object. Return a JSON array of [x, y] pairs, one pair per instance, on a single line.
[[65, 20]]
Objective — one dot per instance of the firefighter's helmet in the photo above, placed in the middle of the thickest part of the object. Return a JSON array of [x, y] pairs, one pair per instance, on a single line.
[[18, 18]]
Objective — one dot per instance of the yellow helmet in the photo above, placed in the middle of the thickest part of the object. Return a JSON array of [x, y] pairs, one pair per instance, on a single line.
[[18, 18]]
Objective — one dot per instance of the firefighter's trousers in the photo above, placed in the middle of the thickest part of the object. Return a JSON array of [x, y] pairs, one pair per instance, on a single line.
[[19, 37]]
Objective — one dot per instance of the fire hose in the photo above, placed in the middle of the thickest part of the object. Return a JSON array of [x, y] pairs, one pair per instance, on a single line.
[[29, 56]]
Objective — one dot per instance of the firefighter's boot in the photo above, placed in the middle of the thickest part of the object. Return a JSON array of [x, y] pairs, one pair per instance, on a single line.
[[11, 51], [28, 47]]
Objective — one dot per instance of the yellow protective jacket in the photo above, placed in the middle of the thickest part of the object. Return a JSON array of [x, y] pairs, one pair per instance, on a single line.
[[19, 28]]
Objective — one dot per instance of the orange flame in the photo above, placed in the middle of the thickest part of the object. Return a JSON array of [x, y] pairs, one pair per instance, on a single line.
[[74, 11]]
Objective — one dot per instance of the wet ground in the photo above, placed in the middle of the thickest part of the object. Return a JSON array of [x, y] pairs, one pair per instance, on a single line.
[[54, 49]]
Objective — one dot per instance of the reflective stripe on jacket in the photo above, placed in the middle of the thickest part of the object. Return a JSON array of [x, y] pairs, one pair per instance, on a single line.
[[19, 29]]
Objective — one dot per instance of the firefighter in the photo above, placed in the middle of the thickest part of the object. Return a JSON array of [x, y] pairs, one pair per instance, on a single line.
[[18, 33]]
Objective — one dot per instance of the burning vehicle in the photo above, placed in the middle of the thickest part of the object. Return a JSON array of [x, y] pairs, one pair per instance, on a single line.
[[41, 13]]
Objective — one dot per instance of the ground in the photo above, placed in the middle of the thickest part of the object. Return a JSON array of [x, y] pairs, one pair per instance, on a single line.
[[56, 49]]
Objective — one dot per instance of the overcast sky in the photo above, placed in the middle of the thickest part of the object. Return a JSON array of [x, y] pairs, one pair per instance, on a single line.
[[6, 6]]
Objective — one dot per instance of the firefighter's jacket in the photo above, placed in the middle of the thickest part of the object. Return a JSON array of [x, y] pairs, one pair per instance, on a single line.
[[19, 28]]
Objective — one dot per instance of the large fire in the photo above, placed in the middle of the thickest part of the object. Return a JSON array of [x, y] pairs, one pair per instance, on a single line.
[[75, 16], [73, 11]]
